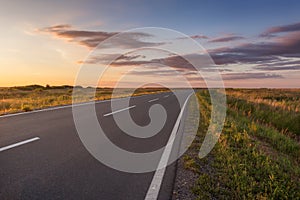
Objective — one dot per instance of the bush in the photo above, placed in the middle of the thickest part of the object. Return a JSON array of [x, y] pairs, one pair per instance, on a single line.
[[26, 108], [5, 105]]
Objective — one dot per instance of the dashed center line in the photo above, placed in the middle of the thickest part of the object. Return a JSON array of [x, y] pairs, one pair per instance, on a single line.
[[18, 144], [153, 100], [117, 111], [166, 96]]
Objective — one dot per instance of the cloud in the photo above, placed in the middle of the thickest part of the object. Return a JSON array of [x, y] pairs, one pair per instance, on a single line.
[[107, 58], [281, 29], [91, 39], [254, 75], [199, 37], [260, 53], [175, 61], [280, 68], [59, 27], [273, 55], [234, 58], [283, 65], [282, 62], [171, 61], [255, 53], [125, 60], [156, 72], [195, 37], [226, 38]]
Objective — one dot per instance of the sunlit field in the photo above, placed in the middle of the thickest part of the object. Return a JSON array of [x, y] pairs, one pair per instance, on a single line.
[[258, 153], [28, 98]]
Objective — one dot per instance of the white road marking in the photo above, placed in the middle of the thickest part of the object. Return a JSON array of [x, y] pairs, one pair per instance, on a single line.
[[166, 96], [19, 144], [153, 100], [117, 111], [155, 185]]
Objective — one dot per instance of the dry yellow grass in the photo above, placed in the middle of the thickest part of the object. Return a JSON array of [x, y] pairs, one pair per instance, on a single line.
[[27, 98]]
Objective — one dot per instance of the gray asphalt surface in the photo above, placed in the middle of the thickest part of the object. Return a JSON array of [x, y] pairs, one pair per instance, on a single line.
[[57, 166]]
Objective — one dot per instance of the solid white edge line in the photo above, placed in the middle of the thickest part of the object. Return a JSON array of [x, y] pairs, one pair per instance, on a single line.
[[155, 185], [153, 100], [117, 111], [18, 144]]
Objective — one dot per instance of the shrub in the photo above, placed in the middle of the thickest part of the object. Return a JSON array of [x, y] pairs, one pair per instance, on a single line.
[[26, 108]]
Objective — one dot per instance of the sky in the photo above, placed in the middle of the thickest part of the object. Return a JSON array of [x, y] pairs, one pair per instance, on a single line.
[[252, 43]]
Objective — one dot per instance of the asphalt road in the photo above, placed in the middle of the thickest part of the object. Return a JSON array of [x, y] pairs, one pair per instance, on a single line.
[[52, 163]]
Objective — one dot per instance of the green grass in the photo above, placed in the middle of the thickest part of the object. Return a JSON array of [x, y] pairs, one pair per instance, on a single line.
[[286, 99], [283, 120], [252, 159]]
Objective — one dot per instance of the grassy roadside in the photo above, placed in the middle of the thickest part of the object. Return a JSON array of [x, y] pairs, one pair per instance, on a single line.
[[27, 98], [252, 160], [285, 99], [283, 120]]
